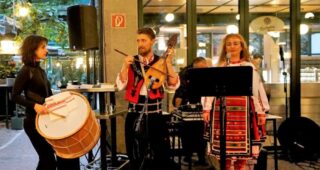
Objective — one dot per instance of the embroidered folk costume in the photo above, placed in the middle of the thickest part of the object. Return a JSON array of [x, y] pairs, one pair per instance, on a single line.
[[243, 135], [245, 116], [146, 130], [135, 126]]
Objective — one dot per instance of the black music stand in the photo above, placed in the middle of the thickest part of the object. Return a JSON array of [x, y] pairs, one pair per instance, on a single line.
[[220, 82]]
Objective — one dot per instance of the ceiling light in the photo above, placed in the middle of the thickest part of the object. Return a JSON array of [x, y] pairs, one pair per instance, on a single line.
[[309, 15], [238, 17], [169, 17], [7, 45], [180, 61], [58, 64], [23, 11]]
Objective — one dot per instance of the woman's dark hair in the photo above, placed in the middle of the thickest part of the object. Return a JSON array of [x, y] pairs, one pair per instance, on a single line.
[[147, 31], [29, 47]]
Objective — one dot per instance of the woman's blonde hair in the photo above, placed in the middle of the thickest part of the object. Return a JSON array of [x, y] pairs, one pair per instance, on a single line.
[[244, 55]]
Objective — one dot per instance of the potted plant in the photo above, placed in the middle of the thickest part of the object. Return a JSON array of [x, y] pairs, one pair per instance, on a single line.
[[7, 72], [3, 74], [12, 72]]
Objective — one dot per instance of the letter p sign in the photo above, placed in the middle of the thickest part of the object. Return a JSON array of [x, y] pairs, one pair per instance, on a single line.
[[118, 20]]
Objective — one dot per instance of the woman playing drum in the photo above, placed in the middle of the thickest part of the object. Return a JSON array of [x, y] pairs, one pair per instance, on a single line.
[[32, 80]]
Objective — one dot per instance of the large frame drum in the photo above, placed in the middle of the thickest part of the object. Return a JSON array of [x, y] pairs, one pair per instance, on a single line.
[[70, 127]]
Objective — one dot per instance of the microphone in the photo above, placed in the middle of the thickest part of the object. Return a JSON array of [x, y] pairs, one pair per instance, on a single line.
[[228, 56], [281, 53]]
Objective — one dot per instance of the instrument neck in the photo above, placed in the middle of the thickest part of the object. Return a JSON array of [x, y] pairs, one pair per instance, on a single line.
[[165, 55]]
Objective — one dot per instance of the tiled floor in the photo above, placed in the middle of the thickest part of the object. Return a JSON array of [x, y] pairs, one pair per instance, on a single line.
[[17, 153]]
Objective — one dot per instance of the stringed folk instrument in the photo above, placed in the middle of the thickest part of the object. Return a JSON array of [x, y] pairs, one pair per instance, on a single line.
[[160, 71], [120, 52]]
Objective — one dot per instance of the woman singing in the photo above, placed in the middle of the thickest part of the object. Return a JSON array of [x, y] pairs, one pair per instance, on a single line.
[[245, 117]]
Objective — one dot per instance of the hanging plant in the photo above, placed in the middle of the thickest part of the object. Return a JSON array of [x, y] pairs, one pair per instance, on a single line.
[[43, 20]]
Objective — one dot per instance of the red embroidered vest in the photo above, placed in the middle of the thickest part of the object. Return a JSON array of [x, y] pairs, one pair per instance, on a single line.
[[136, 81]]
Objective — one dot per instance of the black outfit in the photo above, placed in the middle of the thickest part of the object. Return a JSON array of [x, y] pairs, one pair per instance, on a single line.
[[182, 91], [151, 139], [191, 131], [32, 80]]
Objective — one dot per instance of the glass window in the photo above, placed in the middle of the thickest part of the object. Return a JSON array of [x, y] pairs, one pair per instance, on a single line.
[[49, 20], [310, 58], [315, 41], [310, 39], [305, 44], [215, 20], [167, 17], [268, 32]]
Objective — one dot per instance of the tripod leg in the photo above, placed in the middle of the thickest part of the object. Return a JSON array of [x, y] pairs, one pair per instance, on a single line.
[[222, 132]]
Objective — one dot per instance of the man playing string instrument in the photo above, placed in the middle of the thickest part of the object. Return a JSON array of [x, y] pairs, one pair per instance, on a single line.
[[145, 127]]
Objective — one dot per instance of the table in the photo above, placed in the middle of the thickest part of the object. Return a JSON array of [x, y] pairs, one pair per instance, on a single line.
[[6, 88], [103, 116], [273, 119]]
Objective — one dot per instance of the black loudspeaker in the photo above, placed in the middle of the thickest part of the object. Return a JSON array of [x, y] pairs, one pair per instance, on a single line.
[[300, 138], [82, 23]]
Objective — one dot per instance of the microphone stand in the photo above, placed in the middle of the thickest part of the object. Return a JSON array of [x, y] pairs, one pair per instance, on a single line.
[[223, 119], [284, 73], [222, 115], [147, 154]]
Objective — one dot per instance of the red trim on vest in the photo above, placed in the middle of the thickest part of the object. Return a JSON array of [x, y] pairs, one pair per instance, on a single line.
[[154, 94]]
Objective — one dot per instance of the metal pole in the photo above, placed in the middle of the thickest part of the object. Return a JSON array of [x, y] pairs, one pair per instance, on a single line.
[[103, 122], [191, 30], [244, 19], [222, 116], [295, 84]]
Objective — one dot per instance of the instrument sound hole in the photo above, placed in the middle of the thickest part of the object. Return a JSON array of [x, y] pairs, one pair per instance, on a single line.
[[157, 80]]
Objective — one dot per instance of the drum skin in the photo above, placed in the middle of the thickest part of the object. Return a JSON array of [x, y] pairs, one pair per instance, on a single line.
[[79, 139]]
